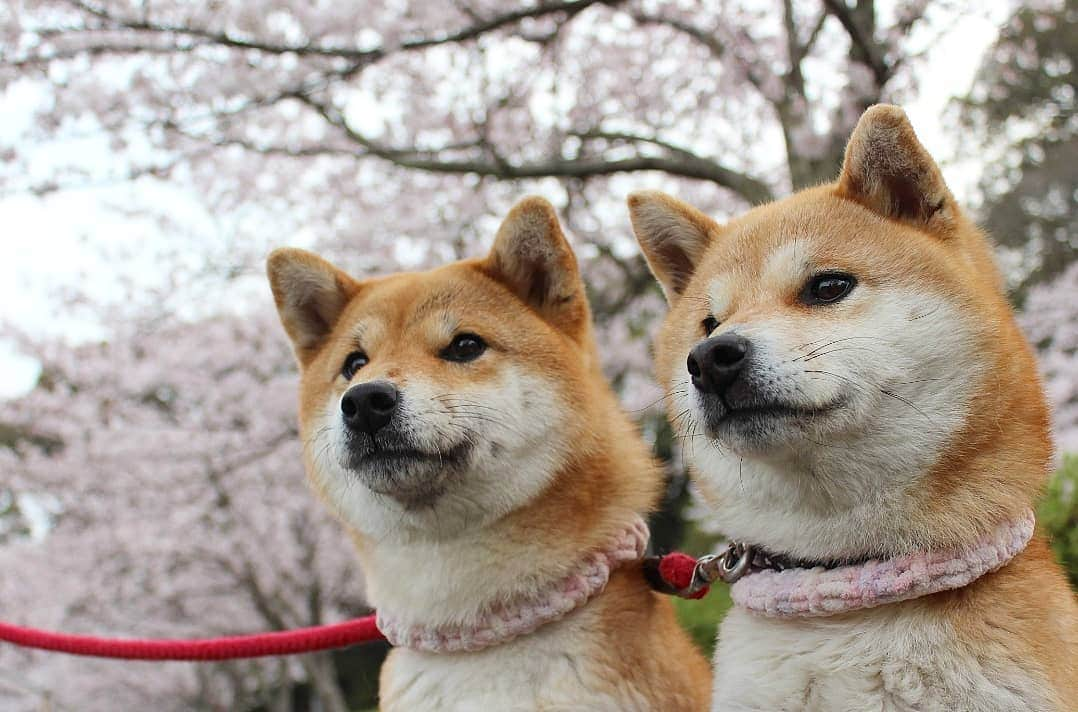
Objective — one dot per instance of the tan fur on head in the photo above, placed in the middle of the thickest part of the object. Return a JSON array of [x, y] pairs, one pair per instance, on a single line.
[[888, 170], [504, 471], [532, 257], [310, 294], [673, 237], [904, 416]]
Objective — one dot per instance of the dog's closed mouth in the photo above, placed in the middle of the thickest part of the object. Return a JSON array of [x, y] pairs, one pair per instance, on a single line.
[[381, 455], [412, 476], [394, 454], [778, 410]]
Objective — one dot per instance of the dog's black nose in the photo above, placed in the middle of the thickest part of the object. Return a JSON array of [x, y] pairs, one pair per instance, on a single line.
[[714, 363], [368, 407]]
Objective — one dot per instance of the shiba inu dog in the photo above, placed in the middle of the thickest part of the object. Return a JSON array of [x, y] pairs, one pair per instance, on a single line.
[[458, 423], [865, 420]]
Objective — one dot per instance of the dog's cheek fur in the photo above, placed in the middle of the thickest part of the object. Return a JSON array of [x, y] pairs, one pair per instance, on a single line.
[[945, 334], [858, 486], [512, 458]]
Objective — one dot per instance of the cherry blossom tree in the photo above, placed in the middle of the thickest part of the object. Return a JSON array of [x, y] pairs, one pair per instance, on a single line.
[[160, 469], [175, 482], [391, 133], [1050, 319], [565, 88], [1019, 113]]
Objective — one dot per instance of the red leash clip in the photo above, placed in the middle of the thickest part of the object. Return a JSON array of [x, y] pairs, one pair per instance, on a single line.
[[681, 575]]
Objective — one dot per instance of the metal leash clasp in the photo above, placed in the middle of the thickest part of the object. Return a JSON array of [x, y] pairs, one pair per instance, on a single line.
[[729, 565]]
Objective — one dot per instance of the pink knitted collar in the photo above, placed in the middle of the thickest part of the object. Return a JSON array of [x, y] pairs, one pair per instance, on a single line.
[[524, 614], [795, 593]]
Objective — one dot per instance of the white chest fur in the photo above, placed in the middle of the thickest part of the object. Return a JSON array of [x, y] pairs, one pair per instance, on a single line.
[[890, 659], [553, 669]]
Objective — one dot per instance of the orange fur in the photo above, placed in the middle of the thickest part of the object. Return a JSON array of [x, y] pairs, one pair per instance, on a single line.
[[527, 302], [891, 221]]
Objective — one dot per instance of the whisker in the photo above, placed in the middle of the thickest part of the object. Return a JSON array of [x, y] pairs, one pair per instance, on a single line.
[[834, 351], [664, 396], [852, 382], [679, 416], [830, 343], [922, 316], [907, 402]]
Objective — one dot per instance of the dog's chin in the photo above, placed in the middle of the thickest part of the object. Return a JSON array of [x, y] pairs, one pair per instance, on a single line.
[[763, 428], [414, 478]]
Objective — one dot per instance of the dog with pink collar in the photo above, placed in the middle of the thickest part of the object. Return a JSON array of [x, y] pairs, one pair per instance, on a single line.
[[864, 419]]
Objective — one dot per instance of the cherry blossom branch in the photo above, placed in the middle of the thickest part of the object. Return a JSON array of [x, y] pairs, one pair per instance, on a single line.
[[471, 32], [153, 170], [92, 51], [872, 52], [794, 51], [716, 47], [751, 189], [685, 164], [813, 35]]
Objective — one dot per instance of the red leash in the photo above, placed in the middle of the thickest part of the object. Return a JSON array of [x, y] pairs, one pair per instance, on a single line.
[[670, 574], [286, 642]]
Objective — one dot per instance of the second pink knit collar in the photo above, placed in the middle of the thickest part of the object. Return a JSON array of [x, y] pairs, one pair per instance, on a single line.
[[802, 592]]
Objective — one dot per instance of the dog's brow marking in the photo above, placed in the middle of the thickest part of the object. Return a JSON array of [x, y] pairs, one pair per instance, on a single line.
[[436, 301], [719, 290], [359, 330], [368, 329], [787, 266]]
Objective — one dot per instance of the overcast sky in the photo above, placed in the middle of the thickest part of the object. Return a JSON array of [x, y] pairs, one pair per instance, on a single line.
[[84, 238]]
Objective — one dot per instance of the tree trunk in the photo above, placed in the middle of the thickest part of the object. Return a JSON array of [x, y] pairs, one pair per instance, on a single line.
[[323, 678]]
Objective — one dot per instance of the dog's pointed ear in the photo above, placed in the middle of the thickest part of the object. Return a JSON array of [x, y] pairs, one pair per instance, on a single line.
[[310, 294], [534, 260], [673, 237], [887, 170]]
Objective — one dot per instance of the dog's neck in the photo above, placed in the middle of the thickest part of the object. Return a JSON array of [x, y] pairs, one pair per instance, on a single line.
[[580, 528], [508, 614], [807, 592]]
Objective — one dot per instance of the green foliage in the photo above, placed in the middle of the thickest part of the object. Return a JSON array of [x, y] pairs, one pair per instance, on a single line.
[[1058, 515], [701, 617]]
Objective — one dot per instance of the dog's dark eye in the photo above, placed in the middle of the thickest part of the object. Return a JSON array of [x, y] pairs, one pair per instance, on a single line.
[[352, 363], [827, 288], [709, 324], [464, 347]]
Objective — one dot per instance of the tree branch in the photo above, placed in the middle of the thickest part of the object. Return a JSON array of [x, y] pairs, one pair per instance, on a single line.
[[471, 32], [686, 165], [869, 49], [751, 189], [93, 51], [794, 51], [714, 45], [811, 41]]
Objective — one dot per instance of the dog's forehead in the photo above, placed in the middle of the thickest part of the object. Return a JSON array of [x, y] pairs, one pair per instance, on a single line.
[[775, 248], [788, 263], [413, 297], [772, 266]]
